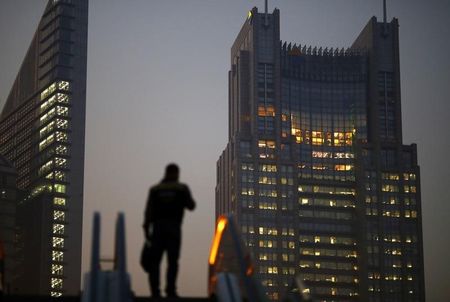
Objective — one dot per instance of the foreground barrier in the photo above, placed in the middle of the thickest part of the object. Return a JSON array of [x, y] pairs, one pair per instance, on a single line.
[[231, 271], [108, 285]]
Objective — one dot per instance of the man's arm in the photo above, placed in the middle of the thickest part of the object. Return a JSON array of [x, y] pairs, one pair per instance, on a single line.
[[190, 203], [147, 214]]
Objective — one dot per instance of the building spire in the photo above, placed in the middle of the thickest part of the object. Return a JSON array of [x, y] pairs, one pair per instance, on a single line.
[[384, 18], [266, 11]]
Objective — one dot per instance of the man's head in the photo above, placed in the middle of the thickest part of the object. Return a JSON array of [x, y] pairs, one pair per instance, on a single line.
[[172, 172]]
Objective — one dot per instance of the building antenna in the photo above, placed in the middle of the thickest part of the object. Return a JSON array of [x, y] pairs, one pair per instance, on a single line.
[[384, 18], [266, 11]]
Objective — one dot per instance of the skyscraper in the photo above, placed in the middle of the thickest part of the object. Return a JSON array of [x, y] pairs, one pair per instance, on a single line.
[[8, 197], [42, 134], [315, 170]]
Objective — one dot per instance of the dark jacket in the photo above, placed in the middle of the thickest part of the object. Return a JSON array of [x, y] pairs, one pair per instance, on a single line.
[[166, 203]]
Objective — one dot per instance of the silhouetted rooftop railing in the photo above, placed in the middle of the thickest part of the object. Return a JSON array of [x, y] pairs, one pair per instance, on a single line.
[[308, 50]]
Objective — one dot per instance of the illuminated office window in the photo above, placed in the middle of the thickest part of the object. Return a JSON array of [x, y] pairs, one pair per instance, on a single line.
[[306, 264], [47, 129], [320, 154], [47, 104], [268, 110], [62, 124], [247, 166], [339, 138], [57, 242], [267, 243], [272, 270], [62, 98], [48, 116], [46, 92], [304, 201], [52, 293], [57, 269], [61, 162], [267, 231], [61, 137], [45, 142], [267, 180], [62, 111], [317, 138], [268, 168], [63, 85], [297, 133], [61, 176], [59, 201], [343, 167], [61, 150], [60, 188], [266, 148], [56, 283], [57, 256], [267, 205], [58, 229], [59, 215]]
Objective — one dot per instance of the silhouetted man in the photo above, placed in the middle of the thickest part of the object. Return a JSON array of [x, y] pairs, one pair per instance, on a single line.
[[162, 226]]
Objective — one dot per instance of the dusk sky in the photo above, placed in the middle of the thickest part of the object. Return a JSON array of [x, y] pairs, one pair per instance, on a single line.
[[157, 92]]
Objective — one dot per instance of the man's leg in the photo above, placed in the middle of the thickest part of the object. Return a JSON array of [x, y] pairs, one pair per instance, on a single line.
[[173, 254], [156, 251]]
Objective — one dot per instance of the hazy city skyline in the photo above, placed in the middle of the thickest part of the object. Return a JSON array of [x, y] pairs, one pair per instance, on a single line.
[[153, 65]]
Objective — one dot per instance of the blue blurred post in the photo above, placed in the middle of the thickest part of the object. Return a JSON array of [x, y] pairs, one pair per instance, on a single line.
[[112, 285], [120, 266], [92, 279], [95, 258]]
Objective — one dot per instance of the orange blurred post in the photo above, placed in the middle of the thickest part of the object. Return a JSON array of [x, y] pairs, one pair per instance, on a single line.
[[221, 223]]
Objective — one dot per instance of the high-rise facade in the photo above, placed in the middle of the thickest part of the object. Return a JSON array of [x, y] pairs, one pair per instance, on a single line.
[[315, 170], [8, 198], [42, 130]]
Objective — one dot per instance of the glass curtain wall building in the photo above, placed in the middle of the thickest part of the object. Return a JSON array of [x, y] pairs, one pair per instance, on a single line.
[[315, 170], [42, 130]]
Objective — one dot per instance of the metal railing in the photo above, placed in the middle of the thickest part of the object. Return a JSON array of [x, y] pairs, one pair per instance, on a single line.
[[108, 285], [231, 271], [230, 267]]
